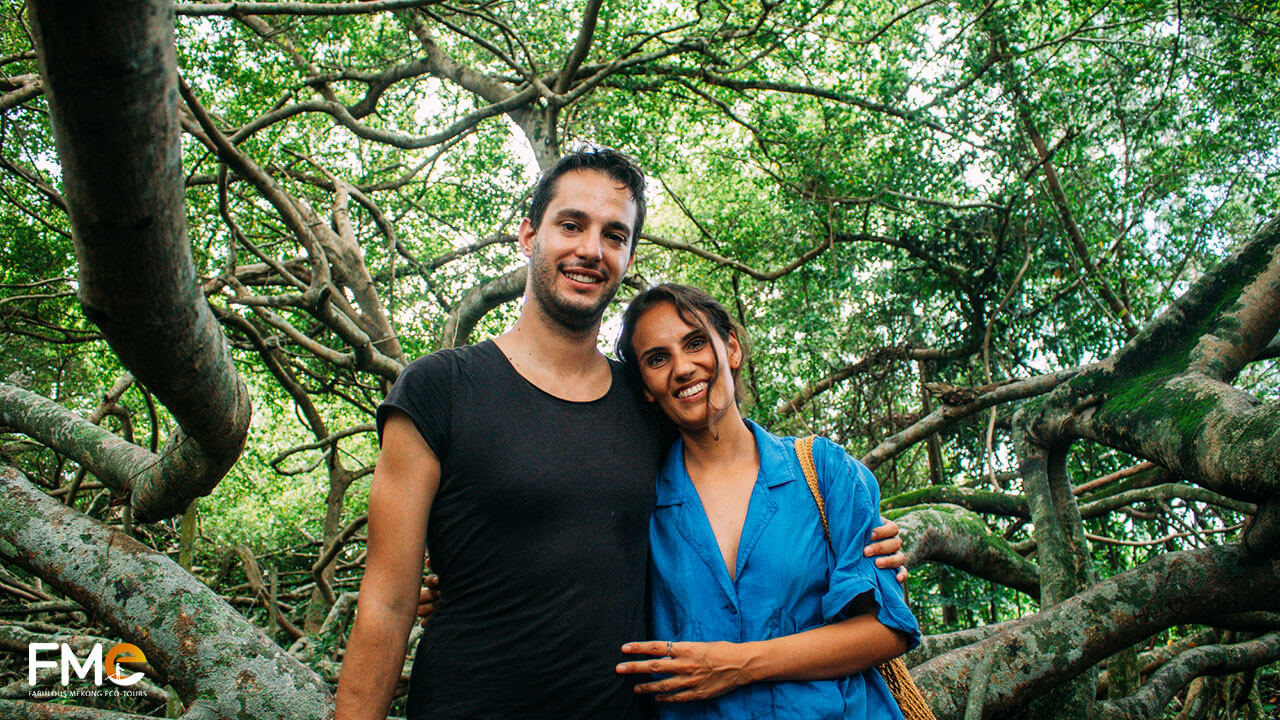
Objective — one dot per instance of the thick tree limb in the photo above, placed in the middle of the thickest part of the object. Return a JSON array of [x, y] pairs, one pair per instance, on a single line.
[[207, 649], [1164, 397], [28, 86], [1177, 588], [987, 502], [110, 75], [1066, 565], [112, 459], [932, 646], [1160, 688], [478, 301], [952, 535]]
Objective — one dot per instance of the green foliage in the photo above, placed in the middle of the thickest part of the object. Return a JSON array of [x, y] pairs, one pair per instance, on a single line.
[[852, 182]]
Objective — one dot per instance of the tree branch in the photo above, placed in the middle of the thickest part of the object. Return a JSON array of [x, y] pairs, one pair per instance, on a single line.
[[118, 140], [710, 78], [876, 358], [1166, 682], [957, 537], [194, 638], [478, 301], [586, 33], [1064, 208], [239, 9], [1176, 588], [948, 415], [762, 275], [28, 86]]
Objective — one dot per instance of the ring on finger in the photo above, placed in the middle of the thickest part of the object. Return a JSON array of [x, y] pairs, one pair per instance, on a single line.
[[668, 648]]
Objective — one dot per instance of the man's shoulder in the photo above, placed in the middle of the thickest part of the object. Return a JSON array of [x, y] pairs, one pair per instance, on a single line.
[[451, 359]]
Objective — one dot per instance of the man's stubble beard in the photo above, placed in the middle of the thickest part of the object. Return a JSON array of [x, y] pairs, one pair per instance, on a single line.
[[571, 316]]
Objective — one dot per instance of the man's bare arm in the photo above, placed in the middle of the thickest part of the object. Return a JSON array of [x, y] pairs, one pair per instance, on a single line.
[[886, 548], [404, 485]]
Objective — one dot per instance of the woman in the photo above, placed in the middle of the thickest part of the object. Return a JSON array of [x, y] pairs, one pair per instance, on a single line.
[[756, 615]]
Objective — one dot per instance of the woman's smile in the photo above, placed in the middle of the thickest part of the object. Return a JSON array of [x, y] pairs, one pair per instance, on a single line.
[[689, 391]]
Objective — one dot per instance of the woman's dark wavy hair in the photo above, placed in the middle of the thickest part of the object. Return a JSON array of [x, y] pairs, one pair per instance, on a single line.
[[696, 307], [616, 165]]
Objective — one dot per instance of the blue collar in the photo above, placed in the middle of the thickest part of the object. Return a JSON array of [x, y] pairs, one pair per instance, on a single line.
[[778, 465]]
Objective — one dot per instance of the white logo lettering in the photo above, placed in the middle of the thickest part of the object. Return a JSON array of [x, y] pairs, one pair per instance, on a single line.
[[71, 662], [34, 663]]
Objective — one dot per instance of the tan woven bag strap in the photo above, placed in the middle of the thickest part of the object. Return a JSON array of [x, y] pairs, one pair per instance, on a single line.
[[804, 450], [894, 672]]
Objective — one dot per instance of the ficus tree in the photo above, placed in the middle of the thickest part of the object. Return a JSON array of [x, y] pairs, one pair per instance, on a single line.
[[1021, 259]]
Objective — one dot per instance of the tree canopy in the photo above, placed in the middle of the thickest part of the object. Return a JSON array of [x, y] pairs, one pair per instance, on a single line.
[[1021, 258]]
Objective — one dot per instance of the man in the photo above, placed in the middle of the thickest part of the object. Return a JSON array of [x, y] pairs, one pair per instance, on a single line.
[[535, 458]]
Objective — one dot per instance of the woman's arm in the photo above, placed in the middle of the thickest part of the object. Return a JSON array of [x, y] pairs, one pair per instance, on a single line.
[[703, 670]]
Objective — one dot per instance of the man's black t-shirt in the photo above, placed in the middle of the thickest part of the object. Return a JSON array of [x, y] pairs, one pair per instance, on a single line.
[[539, 532]]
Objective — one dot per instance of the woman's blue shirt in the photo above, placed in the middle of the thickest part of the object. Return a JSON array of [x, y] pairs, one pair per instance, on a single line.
[[786, 580]]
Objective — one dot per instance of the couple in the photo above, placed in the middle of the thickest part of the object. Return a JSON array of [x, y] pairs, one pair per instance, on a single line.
[[534, 458]]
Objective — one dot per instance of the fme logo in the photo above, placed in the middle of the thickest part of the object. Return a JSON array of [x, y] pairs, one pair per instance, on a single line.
[[120, 653]]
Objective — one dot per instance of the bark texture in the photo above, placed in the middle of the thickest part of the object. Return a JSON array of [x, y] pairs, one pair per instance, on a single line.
[[110, 75], [215, 658], [1184, 587], [1164, 395], [959, 538], [1174, 676]]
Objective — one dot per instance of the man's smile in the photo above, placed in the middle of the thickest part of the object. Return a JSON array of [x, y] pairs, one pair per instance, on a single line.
[[583, 275]]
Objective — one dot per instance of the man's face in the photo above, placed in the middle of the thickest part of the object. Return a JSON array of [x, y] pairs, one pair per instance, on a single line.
[[582, 248]]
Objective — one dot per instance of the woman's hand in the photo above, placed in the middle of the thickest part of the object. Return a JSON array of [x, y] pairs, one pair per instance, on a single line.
[[697, 670], [886, 548], [428, 595]]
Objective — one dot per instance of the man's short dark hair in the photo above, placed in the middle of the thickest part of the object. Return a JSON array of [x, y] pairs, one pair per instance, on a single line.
[[592, 157]]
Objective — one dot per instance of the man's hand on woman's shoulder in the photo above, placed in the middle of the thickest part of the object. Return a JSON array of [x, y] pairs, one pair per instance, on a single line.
[[886, 548]]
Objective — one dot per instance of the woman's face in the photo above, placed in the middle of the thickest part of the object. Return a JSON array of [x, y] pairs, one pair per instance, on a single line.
[[678, 363]]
